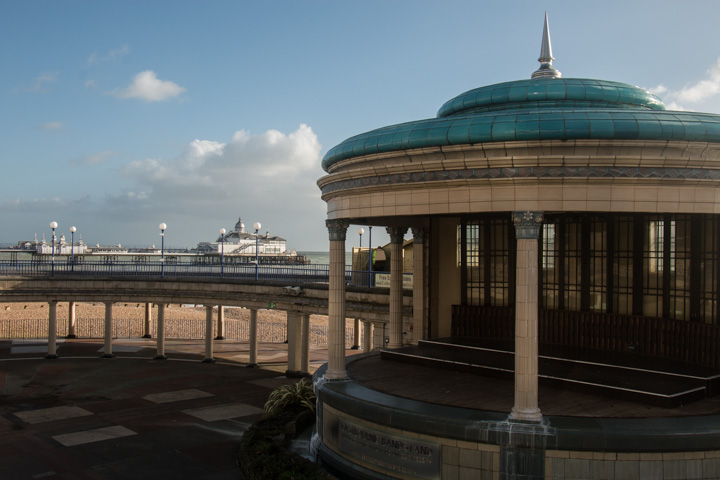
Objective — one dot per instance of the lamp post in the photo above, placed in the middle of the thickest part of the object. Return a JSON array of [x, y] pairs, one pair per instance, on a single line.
[[162, 227], [257, 227], [360, 232], [53, 225], [72, 247], [222, 251], [370, 251]]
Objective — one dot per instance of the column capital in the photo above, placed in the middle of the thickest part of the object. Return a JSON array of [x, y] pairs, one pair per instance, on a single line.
[[527, 224], [337, 229], [396, 234], [418, 235]]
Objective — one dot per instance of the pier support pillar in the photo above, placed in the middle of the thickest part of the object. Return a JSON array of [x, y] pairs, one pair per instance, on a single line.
[[71, 320], [160, 352], [208, 335], [107, 350], [356, 334], [253, 339], [305, 344], [293, 337], [220, 323], [148, 317], [527, 231], [367, 336], [419, 323], [337, 230], [396, 285], [52, 330]]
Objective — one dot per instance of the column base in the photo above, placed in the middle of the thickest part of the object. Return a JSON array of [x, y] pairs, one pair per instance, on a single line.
[[107, 355], [71, 336], [208, 360], [51, 356], [334, 376], [147, 336], [160, 357], [251, 365], [532, 415], [220, 338]]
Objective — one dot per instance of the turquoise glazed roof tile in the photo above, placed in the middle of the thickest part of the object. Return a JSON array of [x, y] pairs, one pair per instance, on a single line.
[[538, 109]]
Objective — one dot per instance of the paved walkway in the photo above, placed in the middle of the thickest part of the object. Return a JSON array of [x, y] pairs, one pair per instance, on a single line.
[[130, 417]]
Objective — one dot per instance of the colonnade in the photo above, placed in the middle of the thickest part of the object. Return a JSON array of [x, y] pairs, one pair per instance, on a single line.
[[298, 334], [377, 335]]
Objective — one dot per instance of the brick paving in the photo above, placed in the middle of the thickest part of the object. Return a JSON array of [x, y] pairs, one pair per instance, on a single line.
[[131, 417]]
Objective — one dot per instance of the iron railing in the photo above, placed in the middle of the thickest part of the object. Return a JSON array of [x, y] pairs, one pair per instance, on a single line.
[[302, 274]]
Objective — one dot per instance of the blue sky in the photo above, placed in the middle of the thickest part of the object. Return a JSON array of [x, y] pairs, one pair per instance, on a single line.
[[116, 116]]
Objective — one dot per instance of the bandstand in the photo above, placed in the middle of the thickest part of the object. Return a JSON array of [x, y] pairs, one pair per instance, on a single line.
[[566, 237]]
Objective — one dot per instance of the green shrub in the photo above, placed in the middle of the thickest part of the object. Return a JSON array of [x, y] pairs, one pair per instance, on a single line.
[[289, 397]]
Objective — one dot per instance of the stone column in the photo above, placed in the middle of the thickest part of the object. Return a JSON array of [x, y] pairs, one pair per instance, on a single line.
[[527, 231], [293, 337], [337, 230], [356, 334], [52, 329], [208, 334], [418, 285], [253, 338], [396, 285], [160, 354], [71, 320], [378, 335], [367, 337], [220, 323], [305, 344], [148, 317], [107, 351]]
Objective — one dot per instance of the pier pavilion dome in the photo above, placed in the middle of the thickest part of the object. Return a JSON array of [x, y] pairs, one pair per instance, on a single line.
[[553, 214]]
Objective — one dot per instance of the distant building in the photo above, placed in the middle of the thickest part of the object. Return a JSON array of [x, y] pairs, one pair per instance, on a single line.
[[240, 242]]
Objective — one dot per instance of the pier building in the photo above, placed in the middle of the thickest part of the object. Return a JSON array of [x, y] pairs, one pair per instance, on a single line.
[[566, 236]]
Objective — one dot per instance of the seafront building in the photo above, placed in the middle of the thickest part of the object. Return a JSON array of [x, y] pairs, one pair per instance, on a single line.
[[566, 232], [240, 242]]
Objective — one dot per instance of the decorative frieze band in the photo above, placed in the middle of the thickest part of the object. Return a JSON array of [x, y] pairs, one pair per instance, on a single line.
[[337, 229], [525, 172], [527, 224]]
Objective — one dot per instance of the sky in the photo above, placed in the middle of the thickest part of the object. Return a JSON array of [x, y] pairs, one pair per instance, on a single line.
[[118, 116]]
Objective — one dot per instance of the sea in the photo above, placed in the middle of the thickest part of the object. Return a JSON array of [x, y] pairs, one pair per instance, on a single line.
[[323, 258]]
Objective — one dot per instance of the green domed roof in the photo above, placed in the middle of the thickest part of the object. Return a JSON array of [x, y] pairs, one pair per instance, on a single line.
[[551, 93], [538, 109]]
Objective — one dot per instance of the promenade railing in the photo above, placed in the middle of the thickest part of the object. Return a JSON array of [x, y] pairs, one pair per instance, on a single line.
[[292, 274]]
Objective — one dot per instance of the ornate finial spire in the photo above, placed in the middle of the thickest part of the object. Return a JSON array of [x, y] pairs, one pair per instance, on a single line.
[[546, 69]]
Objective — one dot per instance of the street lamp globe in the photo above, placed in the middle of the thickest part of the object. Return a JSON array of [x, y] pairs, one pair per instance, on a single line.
[[222, 231], [361, 231], [73, 229], [257, 226], [162, 226], [53, 225]]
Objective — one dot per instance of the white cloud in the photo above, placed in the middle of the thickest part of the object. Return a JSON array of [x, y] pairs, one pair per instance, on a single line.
[[247, 163], [146, 86], [53, 126], [268, 177], [94, 159], [694, 94], [109, 56], [40, 84]]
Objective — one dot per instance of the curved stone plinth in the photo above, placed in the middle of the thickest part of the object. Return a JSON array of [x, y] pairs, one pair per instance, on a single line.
[[363, 433]]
